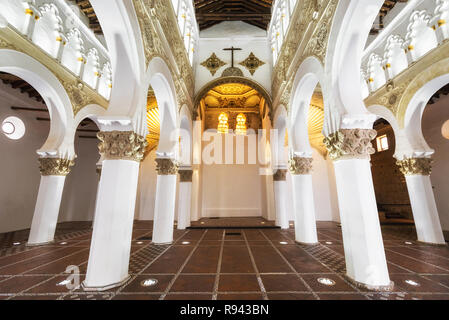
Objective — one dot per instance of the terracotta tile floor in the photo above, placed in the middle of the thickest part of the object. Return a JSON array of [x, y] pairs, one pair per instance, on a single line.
[[222, 264]]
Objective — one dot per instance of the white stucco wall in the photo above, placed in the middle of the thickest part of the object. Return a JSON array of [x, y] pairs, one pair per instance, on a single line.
[[19, 168], [433, 118], [239, 35]]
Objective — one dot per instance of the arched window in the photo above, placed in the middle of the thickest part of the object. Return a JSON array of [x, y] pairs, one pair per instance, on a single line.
[[376, 74], [47, 32], [395, 58], [17, 13], [421, 38], [91, 68], [105, 82], [72, 54]]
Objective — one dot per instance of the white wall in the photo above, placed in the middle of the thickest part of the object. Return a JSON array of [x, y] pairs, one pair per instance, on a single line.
[[231, 190], [19, 168], [433, 118], [239, 35], [324, 192]]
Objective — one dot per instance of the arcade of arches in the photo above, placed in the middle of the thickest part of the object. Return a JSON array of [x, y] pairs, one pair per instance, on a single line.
[[163, 150]]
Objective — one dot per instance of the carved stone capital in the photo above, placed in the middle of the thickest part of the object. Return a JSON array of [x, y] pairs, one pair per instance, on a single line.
[[415, 166], [121, 145], [298, 165], [55, 166], [350, 144], [185, 175], [280, 175], [166, 166]]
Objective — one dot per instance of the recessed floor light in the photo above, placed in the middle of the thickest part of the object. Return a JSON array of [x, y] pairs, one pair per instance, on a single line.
[[326, 281], [63, 243], [412, 283], [291, 224], [283, 242], [139, 242], [262, 222], [328, 242], [408, 242], [185, 242], [202, 222], [16, 243], [148, 282]]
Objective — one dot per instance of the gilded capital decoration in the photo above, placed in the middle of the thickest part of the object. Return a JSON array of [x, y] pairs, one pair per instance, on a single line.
[[166, 166], [415, 166], [121, 145], [55, 166], [252, 63], [185, 175], [280, 175], [213, 63], [299, 165], [350, 144]]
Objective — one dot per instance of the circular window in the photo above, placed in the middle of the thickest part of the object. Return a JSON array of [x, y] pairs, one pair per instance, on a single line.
[[13, 128], [445, 129]]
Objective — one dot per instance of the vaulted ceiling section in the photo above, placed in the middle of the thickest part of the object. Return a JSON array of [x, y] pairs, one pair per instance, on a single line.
[[212, 12]]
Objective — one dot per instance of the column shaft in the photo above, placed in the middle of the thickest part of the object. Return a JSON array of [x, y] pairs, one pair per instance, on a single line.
[[184, 204], [164, 209], [425, 213], [280, 196], [46, 211]]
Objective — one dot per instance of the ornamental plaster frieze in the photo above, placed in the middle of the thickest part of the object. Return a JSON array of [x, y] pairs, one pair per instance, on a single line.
[[305, 37], [280, 175], [80, 94], [121, 145], [185, 175], [415, 166], [397, 93], [166, 166], [158, 26], [299, 165], [55, 166], [350, 144]]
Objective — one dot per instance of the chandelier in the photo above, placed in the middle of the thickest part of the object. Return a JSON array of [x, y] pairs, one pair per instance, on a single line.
[[223, 126], [240, 127]]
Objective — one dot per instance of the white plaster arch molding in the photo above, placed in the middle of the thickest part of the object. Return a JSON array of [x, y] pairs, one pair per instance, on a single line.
[[18, 13], [186, 131], [395, 58], [280, 121], [91, 72], [48, 30], [414, 112], [351, 26], [53, 93], [403, 146], [420, 37], [123, 38], [159, 77], [72, 55], [310, 73], [376, 72]]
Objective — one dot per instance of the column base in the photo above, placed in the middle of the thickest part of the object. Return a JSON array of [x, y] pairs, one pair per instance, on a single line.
[[39, 244], [365, 286], [103, 288], [307, 243], [432, 243]]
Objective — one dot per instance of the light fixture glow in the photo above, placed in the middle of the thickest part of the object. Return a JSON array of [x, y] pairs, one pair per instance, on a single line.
[[240, 127], [326, 281], [63, 243], [16, 243], [139, 242], [223, 126], [328, 242], [412, 283], [408, 242], [283, 242], [185, 242], [148, 282]]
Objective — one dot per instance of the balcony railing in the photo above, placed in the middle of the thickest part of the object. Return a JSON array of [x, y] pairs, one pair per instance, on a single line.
[[188, 26]]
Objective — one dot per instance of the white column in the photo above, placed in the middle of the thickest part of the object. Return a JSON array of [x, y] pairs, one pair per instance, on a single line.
[[164, 208], [303, 201], [45, 218], [422, 200], [184, 198], [366, 264], [114, 213], [280, 198]]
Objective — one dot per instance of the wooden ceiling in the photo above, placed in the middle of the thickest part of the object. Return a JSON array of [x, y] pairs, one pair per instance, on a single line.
[[87, 9], [19, 84], [386, 7], [212, 12]]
